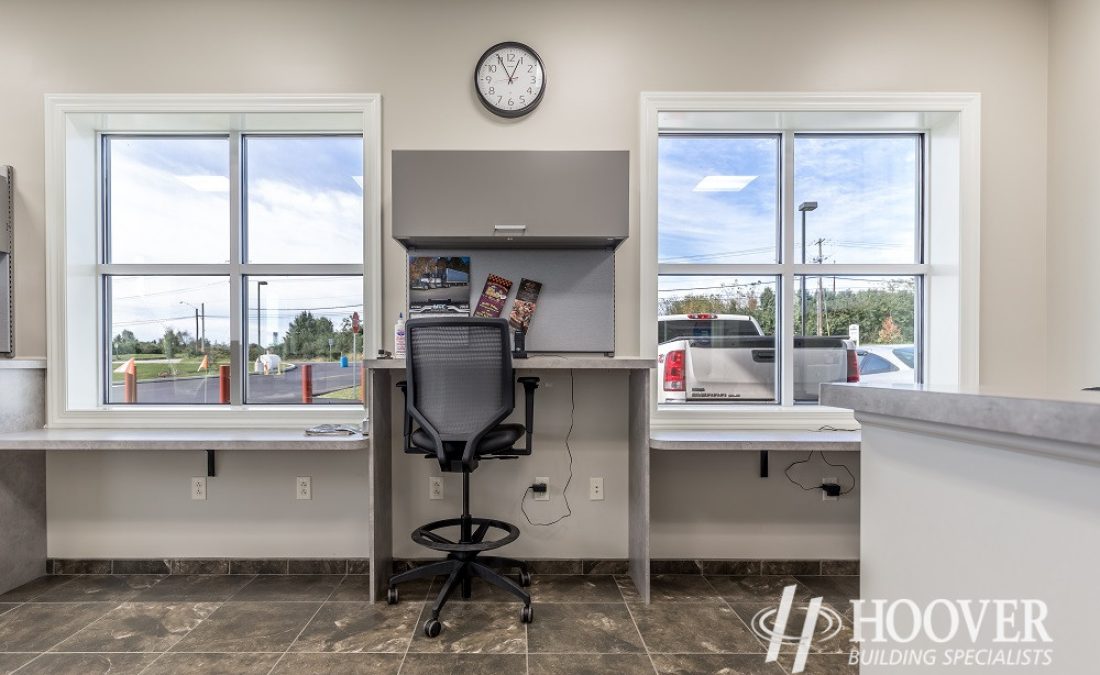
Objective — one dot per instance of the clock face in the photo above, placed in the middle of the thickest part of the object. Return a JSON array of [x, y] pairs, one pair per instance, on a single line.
[[509, 79]]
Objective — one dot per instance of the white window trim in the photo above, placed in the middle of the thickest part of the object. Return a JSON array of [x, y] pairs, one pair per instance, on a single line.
[[73, 121], [953, 202]]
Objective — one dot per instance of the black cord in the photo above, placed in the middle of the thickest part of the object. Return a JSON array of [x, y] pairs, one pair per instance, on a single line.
[[786, 472], [565, 490]]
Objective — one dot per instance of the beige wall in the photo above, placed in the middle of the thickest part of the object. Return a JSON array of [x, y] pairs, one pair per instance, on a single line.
[[599, 56], [1073, 235]]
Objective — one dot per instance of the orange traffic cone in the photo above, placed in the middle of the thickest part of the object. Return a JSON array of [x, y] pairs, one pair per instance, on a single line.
[[205, 365]]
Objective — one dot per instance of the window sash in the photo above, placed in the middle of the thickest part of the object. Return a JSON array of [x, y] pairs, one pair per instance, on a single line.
[[237, 270], [788, 270]]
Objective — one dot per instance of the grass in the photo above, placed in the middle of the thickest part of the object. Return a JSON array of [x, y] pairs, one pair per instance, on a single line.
[[188, 366], [349, 394]]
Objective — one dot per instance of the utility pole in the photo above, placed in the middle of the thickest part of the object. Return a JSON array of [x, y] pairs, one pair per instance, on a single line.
[[803, 208], [820, 290], [203, 345]]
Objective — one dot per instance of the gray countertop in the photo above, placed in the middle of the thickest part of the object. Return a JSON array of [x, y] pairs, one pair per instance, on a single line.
[[177, 439], [549, 362], [1066, 421], [755, 439]]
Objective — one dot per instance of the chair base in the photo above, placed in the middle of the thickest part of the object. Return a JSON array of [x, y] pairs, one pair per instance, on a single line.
[[461, 568]]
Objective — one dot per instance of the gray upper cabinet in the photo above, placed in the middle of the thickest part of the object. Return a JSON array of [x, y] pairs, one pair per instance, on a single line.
[[510, 198]]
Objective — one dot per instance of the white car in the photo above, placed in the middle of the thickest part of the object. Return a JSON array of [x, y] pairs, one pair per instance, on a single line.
[[886, 364]]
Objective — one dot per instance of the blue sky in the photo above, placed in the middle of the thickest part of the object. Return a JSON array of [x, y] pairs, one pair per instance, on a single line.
[[170, 204], [865, 187]]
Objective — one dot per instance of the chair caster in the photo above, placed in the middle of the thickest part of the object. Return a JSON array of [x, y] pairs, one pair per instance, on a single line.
[[432, 628], [524, 578], [528, 615], [391, 596]]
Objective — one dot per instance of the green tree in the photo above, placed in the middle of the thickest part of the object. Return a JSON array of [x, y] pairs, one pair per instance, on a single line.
[[125, 343], [308, 335]]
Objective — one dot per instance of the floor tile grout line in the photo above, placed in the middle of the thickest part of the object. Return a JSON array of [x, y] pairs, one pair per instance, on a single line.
[[307, 623], [730, 606], [633, 620], [183, 637], [412, 635], [58, 643]]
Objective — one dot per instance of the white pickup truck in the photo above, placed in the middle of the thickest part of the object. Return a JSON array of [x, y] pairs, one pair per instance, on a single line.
[[727, 357]]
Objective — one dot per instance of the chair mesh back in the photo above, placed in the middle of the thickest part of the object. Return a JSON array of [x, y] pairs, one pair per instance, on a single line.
[[459, 370]]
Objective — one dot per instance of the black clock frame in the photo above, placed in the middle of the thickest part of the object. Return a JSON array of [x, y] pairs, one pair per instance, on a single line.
[[511, 114]]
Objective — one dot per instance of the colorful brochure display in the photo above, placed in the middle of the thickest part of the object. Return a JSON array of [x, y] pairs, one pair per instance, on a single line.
[[527, 297], [493, 297]]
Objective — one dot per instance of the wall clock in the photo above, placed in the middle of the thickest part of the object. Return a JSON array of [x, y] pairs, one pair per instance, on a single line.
[[509, 79]]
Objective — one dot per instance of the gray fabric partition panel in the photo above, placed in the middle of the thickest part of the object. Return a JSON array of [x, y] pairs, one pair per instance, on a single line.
[[576, 308]]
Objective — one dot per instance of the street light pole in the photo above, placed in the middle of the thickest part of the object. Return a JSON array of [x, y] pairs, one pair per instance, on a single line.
[[259, 339], [804, 207]]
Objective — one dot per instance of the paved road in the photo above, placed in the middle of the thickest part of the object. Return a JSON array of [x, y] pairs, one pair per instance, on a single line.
[[286, 388]]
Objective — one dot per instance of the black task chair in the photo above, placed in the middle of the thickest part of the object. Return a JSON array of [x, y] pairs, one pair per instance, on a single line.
[[458, 390]]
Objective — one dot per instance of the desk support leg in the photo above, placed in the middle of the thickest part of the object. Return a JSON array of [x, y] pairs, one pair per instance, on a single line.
[[638, 491], [380, 456]]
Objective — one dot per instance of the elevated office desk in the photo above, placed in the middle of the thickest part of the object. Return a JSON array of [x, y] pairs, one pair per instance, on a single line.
[[385, 373]]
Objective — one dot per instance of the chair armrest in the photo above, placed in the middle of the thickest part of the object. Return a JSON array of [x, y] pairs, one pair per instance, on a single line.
[[404, 387], [530, 384]]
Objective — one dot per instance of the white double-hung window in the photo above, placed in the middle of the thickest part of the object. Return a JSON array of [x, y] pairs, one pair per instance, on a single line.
[[213, 259], [815, 242]]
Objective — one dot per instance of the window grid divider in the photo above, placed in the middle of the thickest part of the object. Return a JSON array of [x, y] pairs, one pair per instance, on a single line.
[[237, 295], [785, 321]]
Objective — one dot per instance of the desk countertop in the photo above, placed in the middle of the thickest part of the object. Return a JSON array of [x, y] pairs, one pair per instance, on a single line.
[[750, 439], [549, 362], [177, 439]]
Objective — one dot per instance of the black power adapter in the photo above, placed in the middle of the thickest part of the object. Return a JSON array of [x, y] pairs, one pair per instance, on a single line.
[[831, 489], [538, 488]]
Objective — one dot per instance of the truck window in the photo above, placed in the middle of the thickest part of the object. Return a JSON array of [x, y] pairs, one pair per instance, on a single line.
[[702, 328]]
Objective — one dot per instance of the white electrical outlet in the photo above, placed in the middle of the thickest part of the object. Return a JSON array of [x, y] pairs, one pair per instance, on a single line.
[[303, 487], [435, 487], [825, 497], [595, 488], [198, 488], [543, 496]]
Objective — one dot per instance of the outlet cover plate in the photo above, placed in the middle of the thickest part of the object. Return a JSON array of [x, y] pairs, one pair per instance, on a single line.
[[198, 488], [303, 487], [435, 487], [595, 488], [542, 496]]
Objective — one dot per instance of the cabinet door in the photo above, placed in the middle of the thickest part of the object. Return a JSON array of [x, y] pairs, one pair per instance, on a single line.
[[483, 194]]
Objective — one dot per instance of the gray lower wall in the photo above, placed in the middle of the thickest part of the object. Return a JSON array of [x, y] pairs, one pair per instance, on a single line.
[[22, 481]]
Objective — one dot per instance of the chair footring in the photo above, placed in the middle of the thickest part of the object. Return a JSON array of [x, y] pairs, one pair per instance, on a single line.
[[426, 536]]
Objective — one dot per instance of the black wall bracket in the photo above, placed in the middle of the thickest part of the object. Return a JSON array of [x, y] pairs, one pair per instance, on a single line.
[[210, 472], [763, 463]]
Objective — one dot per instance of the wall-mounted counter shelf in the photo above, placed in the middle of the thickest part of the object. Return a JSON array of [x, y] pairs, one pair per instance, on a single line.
[[177, 439]]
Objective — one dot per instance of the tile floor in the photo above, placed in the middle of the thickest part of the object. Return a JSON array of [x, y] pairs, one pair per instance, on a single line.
[[323, 624]]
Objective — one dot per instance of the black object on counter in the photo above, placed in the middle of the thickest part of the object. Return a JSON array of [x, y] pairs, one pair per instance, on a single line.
[[519, 345]]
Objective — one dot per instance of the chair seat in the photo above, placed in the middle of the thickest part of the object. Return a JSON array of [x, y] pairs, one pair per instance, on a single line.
[[500, 438]]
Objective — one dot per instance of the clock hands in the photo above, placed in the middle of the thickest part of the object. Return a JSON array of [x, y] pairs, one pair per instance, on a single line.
[[505, 69]]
